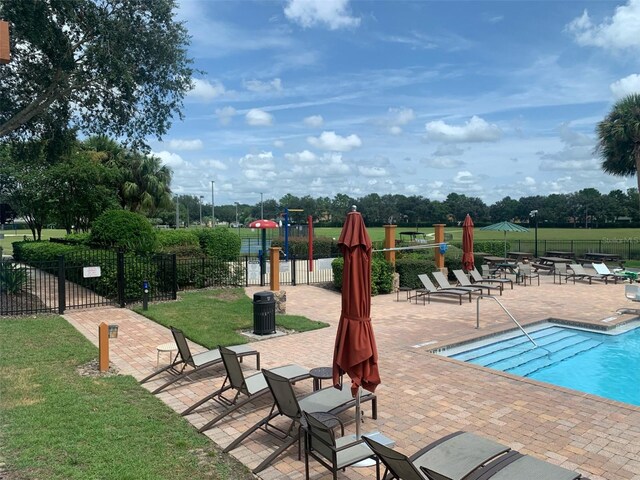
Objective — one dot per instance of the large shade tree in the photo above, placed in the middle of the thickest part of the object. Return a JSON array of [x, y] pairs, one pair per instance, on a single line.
[[619, 138], [104, 66]]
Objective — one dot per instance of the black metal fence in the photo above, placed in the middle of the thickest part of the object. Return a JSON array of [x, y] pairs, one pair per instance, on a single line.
[[628, 249]]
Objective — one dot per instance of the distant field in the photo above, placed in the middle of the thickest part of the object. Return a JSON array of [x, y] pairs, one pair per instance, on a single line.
[[11, 236]]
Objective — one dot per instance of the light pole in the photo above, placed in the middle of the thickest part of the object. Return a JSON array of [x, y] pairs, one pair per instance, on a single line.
[[201, 197], [237, 224], [534, 214], [213, 206], [177, 213]]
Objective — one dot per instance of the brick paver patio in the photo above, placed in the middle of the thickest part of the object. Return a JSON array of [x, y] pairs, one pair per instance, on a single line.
[[423, 396]]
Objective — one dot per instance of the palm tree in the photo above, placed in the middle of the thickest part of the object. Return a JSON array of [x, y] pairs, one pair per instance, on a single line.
[[619, 138], [146, 184]]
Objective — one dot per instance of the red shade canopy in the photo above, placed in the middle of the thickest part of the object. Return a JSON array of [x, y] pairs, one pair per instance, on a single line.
[[467, 243], [263, 224], [355, 351]]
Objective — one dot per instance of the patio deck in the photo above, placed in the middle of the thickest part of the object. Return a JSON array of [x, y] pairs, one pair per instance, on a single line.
[[423, 396]]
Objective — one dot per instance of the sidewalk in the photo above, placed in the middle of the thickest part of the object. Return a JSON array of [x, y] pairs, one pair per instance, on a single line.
[[422, 396]]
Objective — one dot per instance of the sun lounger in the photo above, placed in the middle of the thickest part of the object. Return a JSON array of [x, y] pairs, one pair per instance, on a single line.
[[464, 281], [602, 270], [476, 277], [328, 400], [252, 387], [579, 273], [444, 284], [453, 457], [516, 466], [198, 362], [430, 289]]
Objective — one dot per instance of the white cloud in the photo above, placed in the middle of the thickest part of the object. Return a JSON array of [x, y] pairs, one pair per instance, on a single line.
[[332, 13], [258, 167], [626, 86], [185, 144], [572, 138], [301, 157], [618, 32], [259, 118], [225, 114], [528, 182], [372, 171], [278, 143], [205, 90], [475, 130], [395, 130], [336, 143], [464, 177], [442, 162], [332, 166], [274, 85], [169, 159], [216, 164], [399, 117], [314, 121], [446, 150]]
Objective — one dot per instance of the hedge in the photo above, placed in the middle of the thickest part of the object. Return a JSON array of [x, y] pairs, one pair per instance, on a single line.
[[31, 251], [184, 243], [299, 247], [220, 243], [381, 275], [122, 229]]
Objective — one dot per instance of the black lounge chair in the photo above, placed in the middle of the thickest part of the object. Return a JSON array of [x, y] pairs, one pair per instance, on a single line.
[[252, 386], [198, 362], [444, 284], [516, 466], [331, 452], [430, 289], [464, 281], [476, 277], [452, 457], [328, 400]]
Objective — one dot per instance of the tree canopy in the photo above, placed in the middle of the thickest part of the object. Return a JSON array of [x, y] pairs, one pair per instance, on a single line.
[[104, 66], [619, 138]]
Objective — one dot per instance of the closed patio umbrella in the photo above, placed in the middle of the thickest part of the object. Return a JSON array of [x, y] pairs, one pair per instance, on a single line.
[[505, 227], [467, 243], [355, 350]]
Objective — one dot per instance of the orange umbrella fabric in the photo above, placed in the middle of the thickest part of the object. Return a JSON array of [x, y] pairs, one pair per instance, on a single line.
[[467, 243], [356, 353]]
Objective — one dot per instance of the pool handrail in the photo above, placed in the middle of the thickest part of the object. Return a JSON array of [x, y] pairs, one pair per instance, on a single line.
[[505, 311]]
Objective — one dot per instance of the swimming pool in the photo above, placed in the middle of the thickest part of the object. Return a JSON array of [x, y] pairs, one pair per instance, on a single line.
[[607, 365]]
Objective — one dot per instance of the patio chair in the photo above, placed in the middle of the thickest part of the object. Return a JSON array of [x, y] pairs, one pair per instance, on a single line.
[[430, 289], [253, 386], [464, 281], [452, 457], [198, 362], [602, 270], [476, 277], [331, 452], [526, 273], [515, 465], [489, 272], [579, 273], [560, 270], [443, 283], [328, 400]]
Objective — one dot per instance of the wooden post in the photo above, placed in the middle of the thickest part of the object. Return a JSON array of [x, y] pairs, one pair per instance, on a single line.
[[5, 50], [390, 242], [439, 238], [103, 347], [274, 275]]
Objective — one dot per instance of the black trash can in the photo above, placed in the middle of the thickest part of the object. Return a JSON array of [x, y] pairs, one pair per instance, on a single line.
[[264, 313]]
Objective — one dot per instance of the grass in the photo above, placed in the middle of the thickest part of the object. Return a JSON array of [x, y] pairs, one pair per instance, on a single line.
[[57, 424], [215, 317], [11, 236]]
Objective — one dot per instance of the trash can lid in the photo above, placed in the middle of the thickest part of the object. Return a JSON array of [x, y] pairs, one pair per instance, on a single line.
[[263, 296]]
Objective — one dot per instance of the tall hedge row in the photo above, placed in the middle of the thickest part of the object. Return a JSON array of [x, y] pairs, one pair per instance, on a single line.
[[122, 229], [220, 243], [381, 275]]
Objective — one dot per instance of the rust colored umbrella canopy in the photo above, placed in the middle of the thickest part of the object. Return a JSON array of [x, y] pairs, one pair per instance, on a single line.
[[467, 243], [355, 351]]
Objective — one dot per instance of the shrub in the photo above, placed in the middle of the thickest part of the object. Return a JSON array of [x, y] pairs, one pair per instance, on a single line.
[[33, 252], [299, 247], [409, 267], [220, 243], [184, 243], [490, 248], [381, 275], [12, 278], [124, 229], [78, 238]]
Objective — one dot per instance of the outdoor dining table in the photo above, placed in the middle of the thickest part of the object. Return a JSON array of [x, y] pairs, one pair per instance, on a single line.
[[559, 253], [520, 256], [549, 263], [602, 257]]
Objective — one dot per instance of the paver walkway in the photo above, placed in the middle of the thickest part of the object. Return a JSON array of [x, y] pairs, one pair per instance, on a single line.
[[423, 396]]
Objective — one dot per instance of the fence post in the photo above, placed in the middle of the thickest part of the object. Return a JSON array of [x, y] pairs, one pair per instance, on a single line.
[[62, 294], [246, 270], [120, 278], [629, 249], [293, 270], [103, 347], [174, 280]]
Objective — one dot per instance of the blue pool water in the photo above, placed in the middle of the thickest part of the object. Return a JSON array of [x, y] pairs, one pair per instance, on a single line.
[[604, 365]]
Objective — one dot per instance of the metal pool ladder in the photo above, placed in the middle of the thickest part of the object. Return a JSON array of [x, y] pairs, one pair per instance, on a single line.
[[505, 311]]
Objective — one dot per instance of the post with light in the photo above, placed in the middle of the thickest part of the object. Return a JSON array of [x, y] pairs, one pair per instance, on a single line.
[[534, 215], [177, 213], [201, 197], [145, 295], [213, 206], [237, 224]]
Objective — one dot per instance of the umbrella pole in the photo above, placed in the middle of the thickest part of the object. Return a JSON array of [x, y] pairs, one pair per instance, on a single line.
[[505, 246], [358, 414]]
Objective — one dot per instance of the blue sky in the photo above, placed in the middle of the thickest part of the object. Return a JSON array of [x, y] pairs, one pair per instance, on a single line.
[[319, 97]]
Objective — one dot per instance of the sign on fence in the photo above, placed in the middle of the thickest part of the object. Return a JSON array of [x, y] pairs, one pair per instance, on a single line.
[[91, 272], [324, 263]]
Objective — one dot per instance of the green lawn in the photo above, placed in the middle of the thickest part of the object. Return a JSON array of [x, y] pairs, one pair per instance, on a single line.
[[215, 317], [11, 236], [57, 424]]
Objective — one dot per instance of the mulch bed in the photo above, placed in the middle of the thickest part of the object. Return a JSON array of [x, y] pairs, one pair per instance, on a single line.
[[21, 303]]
